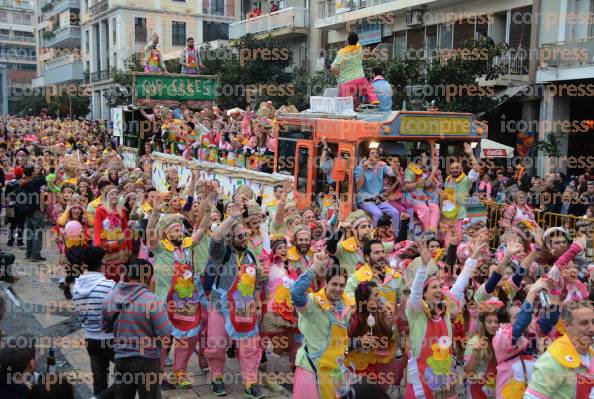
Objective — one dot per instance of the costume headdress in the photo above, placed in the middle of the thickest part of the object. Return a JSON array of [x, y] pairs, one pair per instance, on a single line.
[[358, 217], [169, 221]]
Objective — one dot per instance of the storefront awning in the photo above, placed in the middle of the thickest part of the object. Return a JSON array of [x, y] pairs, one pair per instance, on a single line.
[[493, 149]]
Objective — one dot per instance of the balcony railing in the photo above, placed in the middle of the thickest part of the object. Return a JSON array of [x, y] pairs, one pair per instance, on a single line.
[[98, 8], [227, 9], [98, 76], [14, 56], [330, 8], [24, 5], [61, 5], [567, 54], [16, 38], [61, 34], [513, 61], [65, 59], [289, 17]]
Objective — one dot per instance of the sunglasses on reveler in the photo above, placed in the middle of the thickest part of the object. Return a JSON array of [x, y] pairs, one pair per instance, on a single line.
[[242, 236]]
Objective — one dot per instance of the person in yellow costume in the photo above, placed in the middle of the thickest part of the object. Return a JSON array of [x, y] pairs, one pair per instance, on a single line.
[[373, 336], [566, 369], [323, 321], [300, 254]]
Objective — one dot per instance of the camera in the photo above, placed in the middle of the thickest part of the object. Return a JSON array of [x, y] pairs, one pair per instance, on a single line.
[[583, 276]]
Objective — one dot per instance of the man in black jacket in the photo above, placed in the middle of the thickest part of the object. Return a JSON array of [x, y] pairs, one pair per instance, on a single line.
[[15, 217], [31, 184]]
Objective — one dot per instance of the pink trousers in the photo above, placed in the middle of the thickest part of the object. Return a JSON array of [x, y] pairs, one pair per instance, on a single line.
[[358, 87], [305, 385], [184, 347], [250, 350], [428, 214]]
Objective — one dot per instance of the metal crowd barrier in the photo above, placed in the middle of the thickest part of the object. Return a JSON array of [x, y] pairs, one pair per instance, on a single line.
[[574, 225]]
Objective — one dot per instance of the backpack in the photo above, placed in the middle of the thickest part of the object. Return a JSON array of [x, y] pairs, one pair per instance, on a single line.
[[211, 277]]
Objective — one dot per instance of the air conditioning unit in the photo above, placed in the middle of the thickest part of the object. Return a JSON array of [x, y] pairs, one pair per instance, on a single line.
[[414, 18]]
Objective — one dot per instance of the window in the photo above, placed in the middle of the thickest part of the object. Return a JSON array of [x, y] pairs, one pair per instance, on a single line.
[[217, 7], [287, 143], [400, 44], [286, 153], [22, 34], [481, 25], [3, 16], [463, 32], [113, 30], [445, 36], [344, 185], [140, 30], [431, 41], [303, 170], [214, 31], [416, 38], [519, 33], [178, 33], [87, 48], [591, 26], [320, 177]]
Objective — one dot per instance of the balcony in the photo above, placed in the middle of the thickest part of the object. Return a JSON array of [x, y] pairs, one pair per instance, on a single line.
[[65, 59], [569, 60], [97, 77], [513, 62], [57, 6], [23, 5], [65, 37], [17, 39], [16, 58], [328, 8], [223, 10], [333, 13], [289, 22], [98, 8], [63, 69]]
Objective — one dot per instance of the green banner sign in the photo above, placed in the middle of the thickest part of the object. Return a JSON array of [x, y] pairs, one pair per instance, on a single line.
[[174, 87]]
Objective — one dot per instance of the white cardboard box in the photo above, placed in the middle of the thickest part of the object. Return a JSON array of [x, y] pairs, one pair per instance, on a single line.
[[331, 105]]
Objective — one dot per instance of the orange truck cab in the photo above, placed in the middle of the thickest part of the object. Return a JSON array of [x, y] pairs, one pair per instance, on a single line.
[[299, 135]]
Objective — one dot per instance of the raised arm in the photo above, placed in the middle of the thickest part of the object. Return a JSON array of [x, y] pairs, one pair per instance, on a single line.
[[279, 216], [360, 173], [298, 292], [431, 178], [144, 114], [204, 222], [151, 228], [416, 290], [474, 164], [524, 318], [463, 279], [223, 229]]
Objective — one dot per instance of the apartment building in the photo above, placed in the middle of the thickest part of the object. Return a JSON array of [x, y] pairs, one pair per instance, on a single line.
[[112, 30], [58, 43], [282, 19], [17, 52], [565, 71]]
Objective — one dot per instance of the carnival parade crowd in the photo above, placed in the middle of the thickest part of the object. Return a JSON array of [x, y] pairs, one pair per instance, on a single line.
[[400, 296], [359, 305]]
